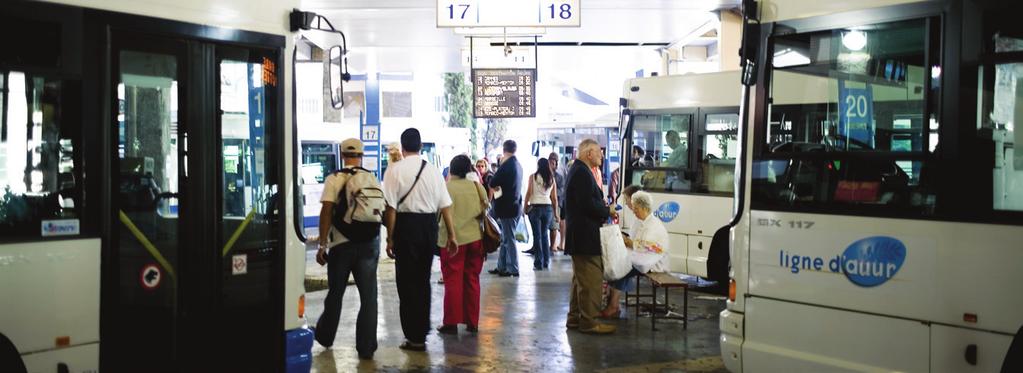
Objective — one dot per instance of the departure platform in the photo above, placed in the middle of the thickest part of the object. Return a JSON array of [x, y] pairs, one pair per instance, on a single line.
[[522, 328]]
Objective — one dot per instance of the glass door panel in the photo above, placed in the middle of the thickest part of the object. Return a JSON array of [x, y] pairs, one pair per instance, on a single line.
[[146, 203], [248, 191]]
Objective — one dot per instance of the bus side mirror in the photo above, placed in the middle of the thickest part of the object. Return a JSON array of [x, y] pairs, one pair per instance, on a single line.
[[336, 76]]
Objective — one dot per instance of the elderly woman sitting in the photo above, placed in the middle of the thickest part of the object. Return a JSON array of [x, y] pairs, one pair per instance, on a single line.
[[648, 247]]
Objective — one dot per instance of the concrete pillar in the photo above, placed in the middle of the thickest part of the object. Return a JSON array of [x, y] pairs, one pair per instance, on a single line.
[[729, 40]]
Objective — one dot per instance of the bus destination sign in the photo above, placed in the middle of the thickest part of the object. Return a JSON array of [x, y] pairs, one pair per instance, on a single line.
[[504, 93]]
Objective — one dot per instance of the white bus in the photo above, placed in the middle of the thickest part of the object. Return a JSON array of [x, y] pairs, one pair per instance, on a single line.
[[146, 153], [879, 200], [680, 143]]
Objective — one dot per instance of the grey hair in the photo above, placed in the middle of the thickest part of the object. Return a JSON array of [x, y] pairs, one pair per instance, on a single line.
[[583, 145], [642, 199]]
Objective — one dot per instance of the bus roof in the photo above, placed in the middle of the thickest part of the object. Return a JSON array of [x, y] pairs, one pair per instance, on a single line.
[[267, 16], [683, 91], [782, 10]]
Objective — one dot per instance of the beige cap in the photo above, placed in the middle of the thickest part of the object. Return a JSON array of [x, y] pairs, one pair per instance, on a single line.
[[350, 146]]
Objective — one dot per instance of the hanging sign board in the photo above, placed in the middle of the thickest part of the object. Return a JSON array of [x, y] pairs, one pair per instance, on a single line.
[[504, 93], [506, 13]]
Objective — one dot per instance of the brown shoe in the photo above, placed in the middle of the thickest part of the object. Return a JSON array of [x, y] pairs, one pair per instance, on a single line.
[[600, 329]]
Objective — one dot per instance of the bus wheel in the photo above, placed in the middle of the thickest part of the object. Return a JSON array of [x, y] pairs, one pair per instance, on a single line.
[[10, 360]]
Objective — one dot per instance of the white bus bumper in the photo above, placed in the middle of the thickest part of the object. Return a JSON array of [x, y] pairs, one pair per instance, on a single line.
[[731, 340]]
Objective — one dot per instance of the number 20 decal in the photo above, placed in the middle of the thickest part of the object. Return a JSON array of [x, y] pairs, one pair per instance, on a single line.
[[856, 106]]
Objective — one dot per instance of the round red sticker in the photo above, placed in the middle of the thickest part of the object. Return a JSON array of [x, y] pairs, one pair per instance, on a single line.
[[150, 276]]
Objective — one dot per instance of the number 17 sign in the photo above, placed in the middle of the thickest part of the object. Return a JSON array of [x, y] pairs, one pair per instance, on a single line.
[[508, 13]]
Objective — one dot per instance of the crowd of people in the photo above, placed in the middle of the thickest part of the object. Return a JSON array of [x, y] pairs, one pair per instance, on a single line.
[[427, 213]]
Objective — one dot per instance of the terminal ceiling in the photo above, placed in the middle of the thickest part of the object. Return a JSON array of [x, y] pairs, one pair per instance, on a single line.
[[401, 35]]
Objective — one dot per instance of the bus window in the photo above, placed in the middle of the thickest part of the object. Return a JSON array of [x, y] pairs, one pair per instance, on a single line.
[[38, 158], [716, 157], [847, 121], [1003, 107], [663, 163]]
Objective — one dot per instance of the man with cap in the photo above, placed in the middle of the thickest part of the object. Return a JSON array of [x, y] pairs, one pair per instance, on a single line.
[[415, 193], [344, 257]]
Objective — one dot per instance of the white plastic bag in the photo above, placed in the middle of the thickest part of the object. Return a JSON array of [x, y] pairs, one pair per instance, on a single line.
[[614, 253]]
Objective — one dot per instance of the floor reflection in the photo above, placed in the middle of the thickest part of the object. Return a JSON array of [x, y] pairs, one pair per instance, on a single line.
[[522, 329]]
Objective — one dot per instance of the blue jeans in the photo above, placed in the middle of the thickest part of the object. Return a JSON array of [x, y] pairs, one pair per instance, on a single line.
[[359, 259], [540, 217], [508, 260], [623, 283]]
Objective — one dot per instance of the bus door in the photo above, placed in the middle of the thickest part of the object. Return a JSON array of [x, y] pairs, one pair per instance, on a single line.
[[195, 232]]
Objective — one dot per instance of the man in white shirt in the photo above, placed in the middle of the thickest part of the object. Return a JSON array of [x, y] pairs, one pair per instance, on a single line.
[[344, 256], [415, 193]]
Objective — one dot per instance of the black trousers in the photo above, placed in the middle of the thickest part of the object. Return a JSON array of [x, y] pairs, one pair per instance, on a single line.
[[414, 242]]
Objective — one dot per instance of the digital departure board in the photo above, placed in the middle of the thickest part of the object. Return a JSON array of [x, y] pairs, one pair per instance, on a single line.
[[504, 93]]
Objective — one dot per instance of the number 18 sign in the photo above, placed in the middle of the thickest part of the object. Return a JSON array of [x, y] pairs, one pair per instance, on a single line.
[[508, 13]]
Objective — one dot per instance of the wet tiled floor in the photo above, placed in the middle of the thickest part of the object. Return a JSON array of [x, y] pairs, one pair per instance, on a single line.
[[522, 330]]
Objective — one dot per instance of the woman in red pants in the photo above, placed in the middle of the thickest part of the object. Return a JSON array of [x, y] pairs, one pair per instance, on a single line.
[[461, 269]]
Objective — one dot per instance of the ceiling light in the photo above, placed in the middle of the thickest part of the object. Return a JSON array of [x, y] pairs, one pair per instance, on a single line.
[[788, 57], [854, 40]]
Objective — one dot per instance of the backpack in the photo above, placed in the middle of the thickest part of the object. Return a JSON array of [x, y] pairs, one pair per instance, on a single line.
[[360, 217]]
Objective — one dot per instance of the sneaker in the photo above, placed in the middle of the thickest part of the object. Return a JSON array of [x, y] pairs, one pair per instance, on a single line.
[[495, 271], [600, 329]]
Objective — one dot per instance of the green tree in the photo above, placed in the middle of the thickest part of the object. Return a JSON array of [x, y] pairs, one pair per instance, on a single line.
[[458, 98], [492, 139]]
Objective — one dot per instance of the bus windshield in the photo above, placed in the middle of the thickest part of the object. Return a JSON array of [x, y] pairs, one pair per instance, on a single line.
[[849, 122]]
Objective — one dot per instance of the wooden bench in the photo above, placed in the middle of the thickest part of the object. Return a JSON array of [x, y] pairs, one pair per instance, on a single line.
[[667, 282]]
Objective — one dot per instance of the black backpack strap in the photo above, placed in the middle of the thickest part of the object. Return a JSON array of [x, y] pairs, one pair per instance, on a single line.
[[421, 167]]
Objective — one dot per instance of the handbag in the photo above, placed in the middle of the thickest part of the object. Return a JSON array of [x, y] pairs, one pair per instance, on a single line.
[[491, 233]]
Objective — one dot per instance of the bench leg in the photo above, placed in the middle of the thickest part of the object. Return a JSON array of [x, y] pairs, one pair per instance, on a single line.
[[685, 307], [653, 309], [638, 297]]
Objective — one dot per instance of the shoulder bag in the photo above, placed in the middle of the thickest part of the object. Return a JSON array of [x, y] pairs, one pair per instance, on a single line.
[[491, 233]]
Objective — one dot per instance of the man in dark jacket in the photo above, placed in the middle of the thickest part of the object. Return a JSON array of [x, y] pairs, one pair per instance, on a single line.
[[507, 182], [585, 212]]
